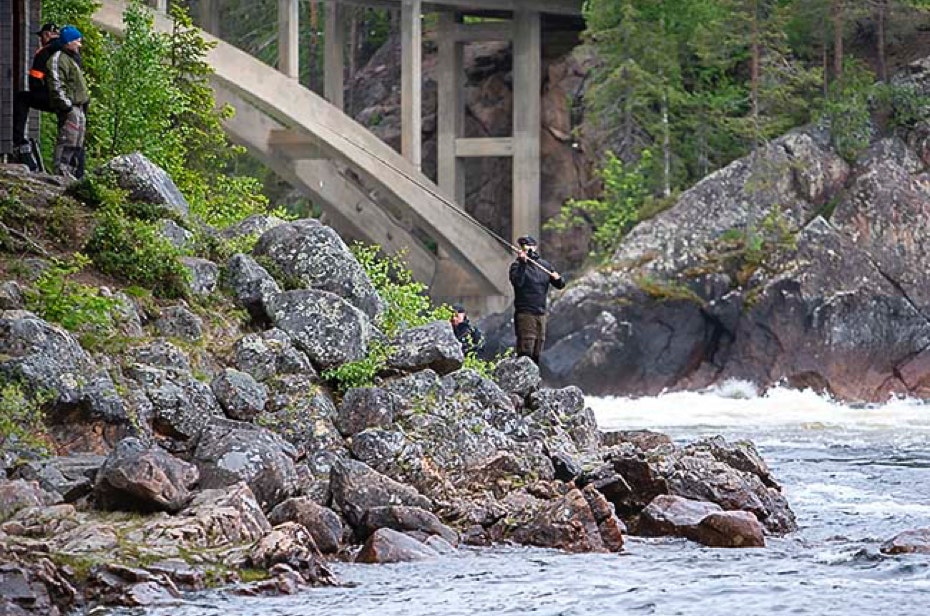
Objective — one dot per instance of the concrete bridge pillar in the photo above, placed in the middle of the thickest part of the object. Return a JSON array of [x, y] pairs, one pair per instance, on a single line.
[[412, 81], [288, 38], [334, 54], [451, 112], [527, 93]]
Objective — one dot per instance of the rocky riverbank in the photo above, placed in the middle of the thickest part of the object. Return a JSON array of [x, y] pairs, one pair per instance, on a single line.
[[795, 266], [200, 445]]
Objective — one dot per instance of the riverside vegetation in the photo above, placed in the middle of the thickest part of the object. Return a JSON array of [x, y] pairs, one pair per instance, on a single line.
[[198, 393]]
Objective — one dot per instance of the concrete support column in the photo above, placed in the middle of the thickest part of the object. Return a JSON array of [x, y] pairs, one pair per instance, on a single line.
[[210, 16], [451, 113], [334, 54], [161, 6], [288, 42], [527, 93], [411, 28]]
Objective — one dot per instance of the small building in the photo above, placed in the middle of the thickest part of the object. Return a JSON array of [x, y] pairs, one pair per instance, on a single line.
[[18, 20]]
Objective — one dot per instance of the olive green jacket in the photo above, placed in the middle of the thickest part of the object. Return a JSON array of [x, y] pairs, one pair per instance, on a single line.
[[67, 87]]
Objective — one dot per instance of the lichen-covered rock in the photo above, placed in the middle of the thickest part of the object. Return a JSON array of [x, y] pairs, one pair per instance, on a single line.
[[323, 523], [517, 375], [362, 408], [137, 477], [241, 396], [86, 412], [268, 354], [302, 412], [161, 353], [251, 285], [179, 322], [316, 256], [179, 237], [204, 275], [390, 546], [254, 225], [71, 477], [11, 296], [433, 346], [356, 488], [146, 182], [231, 451], [323, 325], [563, 411]]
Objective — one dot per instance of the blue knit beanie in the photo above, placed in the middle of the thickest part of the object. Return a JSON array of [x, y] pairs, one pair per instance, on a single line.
[[69, 34]]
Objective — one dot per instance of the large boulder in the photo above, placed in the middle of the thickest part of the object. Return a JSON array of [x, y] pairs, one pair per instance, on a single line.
[[323, 523], [302, 412], [411, 520], [728, 529], [241, 396], [915, 541], [85, 411], [71, 477], [251, 285], [146, 182], [317, 257], [179, 322], [137, 477], [433, 346], [390, 546], [673, 515], [230, 451], [363, 408], [356, 488], [517, 375], [328, 329], [268, 354]]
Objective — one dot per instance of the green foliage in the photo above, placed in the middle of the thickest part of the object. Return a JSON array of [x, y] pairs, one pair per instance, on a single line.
[[360, 373], [56, 297], [848, 110], [405, 299], [611, 217], [135, 251], [22, 421], [666, 290]]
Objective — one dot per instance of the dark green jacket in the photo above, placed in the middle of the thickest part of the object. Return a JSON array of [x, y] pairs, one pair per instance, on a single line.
[[67, 87]]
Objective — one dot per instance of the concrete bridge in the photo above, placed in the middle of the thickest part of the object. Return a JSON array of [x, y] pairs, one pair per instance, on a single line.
[[365, 187]]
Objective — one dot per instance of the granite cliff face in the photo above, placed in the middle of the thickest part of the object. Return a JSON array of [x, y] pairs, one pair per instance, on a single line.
[[793, 267]]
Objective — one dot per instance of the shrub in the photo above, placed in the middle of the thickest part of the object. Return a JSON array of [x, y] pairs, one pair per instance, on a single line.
[[22, 421], [59, 299]]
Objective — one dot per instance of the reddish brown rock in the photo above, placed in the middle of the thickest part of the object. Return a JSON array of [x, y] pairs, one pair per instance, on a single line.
[[728, 529], [909, 542], [390, 546], [673, 515]]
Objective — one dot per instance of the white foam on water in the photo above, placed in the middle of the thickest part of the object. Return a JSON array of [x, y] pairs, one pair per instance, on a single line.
[[736, 405]]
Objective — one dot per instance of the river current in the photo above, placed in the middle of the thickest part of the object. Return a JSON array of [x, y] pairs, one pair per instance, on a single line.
[[855, 477]]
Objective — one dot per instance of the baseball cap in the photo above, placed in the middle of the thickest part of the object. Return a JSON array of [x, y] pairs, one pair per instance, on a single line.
[[527, 240], [49, 27], [458, 307]]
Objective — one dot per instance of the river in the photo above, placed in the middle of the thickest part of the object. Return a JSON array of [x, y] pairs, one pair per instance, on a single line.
[[854, 476]]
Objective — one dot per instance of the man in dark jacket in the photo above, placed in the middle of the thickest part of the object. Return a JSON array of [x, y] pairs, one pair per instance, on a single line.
[[68, 96], [36, 97], [531, 276], [468, 335]]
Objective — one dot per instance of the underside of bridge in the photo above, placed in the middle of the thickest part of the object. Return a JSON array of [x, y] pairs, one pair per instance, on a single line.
[[365, 188]]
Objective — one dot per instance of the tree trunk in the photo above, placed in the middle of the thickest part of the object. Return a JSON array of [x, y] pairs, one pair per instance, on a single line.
[[754, 74], [881, 13], [837, 12], [666, 147]]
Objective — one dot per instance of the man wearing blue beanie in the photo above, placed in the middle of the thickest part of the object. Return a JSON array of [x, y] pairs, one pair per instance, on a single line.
[[68, 95]]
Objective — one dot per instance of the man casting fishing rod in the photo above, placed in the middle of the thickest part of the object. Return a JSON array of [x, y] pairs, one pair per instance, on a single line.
[[531, 276]]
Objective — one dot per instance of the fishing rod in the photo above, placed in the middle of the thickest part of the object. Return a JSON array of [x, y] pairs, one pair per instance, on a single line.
[[428, 188]]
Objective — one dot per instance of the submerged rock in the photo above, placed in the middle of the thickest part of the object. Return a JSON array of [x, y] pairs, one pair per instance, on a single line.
[[390, 546]]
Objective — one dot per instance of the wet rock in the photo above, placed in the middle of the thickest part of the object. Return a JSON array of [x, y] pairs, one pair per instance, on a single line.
[[241, 396], [433, 346], [327, 328], [316, 256], [322, 523], [183, 575], [643, 440], [909, 542], [564, 523], [728, 529], [204, 275], [268, 354], [407, 520], [137, 477], [362, 408], [741, 455], [673, 515], [231, 451], [356, 488], [251, 285], [71, 477], [390, 546], [518, 375], [609, 525], [179, 322]]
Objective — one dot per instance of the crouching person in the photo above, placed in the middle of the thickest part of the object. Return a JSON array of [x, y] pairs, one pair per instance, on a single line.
[[68, 96]]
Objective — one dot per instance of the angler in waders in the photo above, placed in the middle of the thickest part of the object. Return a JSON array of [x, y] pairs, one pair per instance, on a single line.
[[531, 276], [36, 97]]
